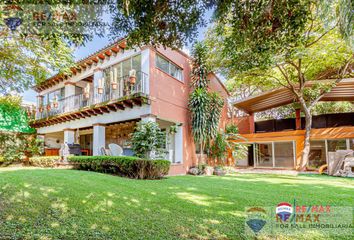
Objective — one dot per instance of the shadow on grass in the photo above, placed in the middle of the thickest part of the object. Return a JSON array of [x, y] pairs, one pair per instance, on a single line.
[[76, 204]]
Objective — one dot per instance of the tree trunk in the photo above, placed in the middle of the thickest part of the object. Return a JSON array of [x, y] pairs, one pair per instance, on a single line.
[[306, 149], [201, 153]]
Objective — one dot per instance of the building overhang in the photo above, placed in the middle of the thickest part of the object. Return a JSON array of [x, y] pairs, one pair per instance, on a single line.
[[343, 91], [94, 110], [82, 65]]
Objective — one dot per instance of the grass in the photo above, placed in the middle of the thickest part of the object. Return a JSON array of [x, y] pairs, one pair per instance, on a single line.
[[68, 204]]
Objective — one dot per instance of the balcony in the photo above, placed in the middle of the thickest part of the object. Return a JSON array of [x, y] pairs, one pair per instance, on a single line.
[[125, 93]]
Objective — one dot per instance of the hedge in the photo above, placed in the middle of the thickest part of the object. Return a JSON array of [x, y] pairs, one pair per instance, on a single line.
[[43, 161], [132, 167]]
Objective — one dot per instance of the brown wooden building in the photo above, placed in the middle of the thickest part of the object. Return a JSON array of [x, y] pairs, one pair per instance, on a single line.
[[278, 143]]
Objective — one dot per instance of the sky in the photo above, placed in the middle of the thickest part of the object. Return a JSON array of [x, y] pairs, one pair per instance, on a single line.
[[97, 43]]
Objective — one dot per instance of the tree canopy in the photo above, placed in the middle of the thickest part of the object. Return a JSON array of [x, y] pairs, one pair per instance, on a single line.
[[13, 117], [174, 23], [37, 39]]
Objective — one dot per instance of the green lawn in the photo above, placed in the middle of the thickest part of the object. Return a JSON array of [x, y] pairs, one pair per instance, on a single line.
[[68, 204]]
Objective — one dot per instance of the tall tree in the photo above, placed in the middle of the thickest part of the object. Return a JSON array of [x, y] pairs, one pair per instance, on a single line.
[[36, 39], [13, 117], [205, 106], [174, 23], [258, 51], [26, 61]]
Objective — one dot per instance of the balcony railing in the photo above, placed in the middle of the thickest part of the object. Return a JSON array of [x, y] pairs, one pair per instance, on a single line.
[[76, 102]]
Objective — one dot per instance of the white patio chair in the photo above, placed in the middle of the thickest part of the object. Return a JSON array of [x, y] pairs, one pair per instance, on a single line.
[[105, 152], [116, 150]]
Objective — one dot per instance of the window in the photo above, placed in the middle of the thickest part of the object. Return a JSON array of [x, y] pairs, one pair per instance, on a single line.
[[264, 154], [317, 155], [122, 68], [48, 98], [334, 145], [284, 154], [169, 67], [163, 64]]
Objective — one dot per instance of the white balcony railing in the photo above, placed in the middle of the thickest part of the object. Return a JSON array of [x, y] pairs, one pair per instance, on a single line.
[[75, 102]]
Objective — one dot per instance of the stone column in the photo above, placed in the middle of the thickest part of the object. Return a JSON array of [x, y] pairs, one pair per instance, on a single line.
[[69, 135], [69, 91], [179, 145], [99, 138]]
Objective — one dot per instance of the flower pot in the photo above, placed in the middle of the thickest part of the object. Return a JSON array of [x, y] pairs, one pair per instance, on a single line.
[[40, 109], [114, 86], [132, 80], [55, 105], [86, 95], [48, 107], [100, 90]]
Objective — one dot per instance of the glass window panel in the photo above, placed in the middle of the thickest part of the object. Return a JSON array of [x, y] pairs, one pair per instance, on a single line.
[[264, 154], [62, 93], [78, 90], [118, 69], [136, 63], [163, 64], [284, 154], [126, 67], [175, 72], [51, 96], [338, 144], [317, 155], [351, 144], [107, 79], [45, 99]]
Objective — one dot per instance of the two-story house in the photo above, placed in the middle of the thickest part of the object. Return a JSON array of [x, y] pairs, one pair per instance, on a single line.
[[112, 89]]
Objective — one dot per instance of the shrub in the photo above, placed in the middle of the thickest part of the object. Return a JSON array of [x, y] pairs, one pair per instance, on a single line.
[[127, 166], [15, 147], [43, 161], [148, 138]]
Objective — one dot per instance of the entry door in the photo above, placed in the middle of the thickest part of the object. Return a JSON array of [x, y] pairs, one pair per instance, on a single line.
[[86, 143]]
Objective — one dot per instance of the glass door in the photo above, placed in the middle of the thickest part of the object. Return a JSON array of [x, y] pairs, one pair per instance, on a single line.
[[284, 154], [264, 154]]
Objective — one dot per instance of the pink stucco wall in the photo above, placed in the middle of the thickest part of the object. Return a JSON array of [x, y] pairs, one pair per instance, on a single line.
[[169, 101]]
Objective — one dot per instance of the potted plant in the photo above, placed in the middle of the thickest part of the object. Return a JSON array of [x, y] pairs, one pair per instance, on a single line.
[[55, 101], [100, 86], [132, 76], [114, 85], [87, 91]]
